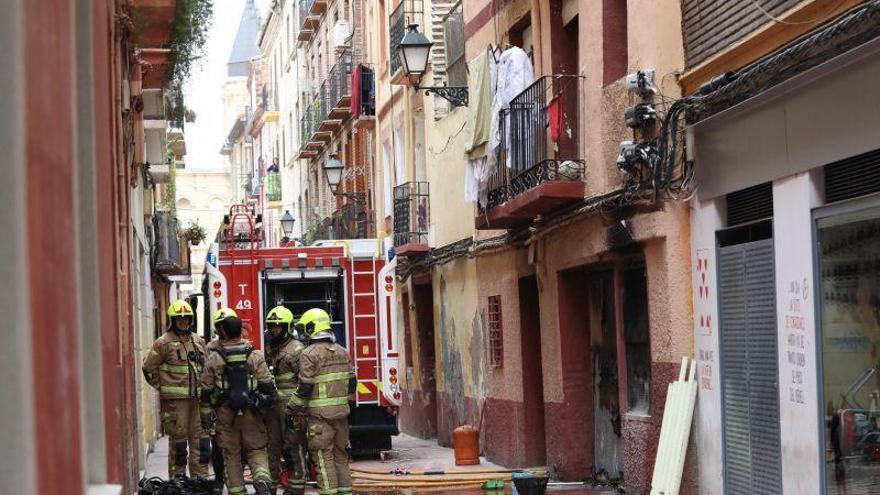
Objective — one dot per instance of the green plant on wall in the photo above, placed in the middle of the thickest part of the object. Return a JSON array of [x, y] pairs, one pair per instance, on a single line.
[[195, 233], [169, 195], [192, 22]]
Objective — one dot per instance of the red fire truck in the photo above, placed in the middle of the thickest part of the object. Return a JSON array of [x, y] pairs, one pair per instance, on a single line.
[[348, 278]]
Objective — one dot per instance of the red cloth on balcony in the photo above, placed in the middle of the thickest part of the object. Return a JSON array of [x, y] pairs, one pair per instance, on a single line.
[[356, 91], [554, 118]]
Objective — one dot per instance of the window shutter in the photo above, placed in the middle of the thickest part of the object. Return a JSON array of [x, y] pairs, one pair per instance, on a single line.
[[439, 10]]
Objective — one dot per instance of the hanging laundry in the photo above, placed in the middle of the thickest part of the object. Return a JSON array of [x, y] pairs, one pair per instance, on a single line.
[[356, 77], [514, 75], [481, 84], [555, 118]]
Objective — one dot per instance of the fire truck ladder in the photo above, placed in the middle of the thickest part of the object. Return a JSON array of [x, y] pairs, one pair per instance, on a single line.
[[367, 349], [242, 242]]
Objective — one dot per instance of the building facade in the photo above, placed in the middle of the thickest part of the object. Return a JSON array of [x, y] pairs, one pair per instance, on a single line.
[[542, 302], [784, 247], [83, 293]]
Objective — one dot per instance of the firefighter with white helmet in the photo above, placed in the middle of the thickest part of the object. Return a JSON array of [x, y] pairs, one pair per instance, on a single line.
[[173, 366], [283, 351], [321, 400]]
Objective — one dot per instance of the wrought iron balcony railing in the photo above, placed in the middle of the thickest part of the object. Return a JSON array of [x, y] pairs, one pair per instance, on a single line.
[[539, 139], [306, 127], [352, 220], [408, 12], [368, 92], [305, 13], [170, 254], [339, 82], [272, 183], [411, 213]]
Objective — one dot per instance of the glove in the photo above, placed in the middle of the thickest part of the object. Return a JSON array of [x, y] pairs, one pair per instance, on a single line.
[[296, 418], [208, 418]]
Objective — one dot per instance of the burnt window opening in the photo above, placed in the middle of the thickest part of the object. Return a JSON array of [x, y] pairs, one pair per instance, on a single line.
[[636, 332], [496, 333], [407, 333]]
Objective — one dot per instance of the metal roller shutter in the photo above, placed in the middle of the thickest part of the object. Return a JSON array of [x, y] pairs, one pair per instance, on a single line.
[[749, 369]]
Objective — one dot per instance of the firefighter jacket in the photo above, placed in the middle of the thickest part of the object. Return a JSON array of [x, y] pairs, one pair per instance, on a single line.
[[326, 376], [174, 364], [213, 380], [284, 363]]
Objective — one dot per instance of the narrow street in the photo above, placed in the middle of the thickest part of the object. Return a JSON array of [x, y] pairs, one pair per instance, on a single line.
[[512, 247]]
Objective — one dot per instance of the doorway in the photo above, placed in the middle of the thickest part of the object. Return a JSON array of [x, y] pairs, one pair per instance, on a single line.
[[532, 369], [606, 394], [423, 296], [749, 360]]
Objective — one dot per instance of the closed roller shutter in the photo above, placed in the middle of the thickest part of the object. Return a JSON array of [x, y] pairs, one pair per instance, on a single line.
[[749, 369]]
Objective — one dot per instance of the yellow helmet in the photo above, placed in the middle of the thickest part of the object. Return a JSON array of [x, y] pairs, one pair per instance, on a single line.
[[279, 315], [314, 322], [180, 309], [223, 313]]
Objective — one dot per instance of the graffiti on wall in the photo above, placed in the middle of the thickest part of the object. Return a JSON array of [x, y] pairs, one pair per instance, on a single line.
[[704, 318], [795, 305]]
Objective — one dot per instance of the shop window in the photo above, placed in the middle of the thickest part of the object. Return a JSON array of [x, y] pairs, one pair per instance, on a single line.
[[849, 294], [456, 68], [636, 339], [496, 333]]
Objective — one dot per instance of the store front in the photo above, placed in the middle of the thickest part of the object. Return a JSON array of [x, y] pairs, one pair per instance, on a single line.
[[786, 281]]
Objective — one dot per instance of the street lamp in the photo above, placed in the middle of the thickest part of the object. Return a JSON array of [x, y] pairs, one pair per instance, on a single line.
[[415, 49], [333, 170], [287, 222]]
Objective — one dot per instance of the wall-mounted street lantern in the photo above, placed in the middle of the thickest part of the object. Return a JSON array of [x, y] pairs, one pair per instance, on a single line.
[[415, 49], [333, 169], [287, 223]]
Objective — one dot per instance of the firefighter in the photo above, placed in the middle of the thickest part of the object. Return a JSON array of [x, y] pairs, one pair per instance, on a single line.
[[284, 350], [216, 452], [173, 366], [326, 380], [236, 389]]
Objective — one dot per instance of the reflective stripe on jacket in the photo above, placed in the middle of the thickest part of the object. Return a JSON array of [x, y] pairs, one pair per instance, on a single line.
[[327, 366], [173, 365]]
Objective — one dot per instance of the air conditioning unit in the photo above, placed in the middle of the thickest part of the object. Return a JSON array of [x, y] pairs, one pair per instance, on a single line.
[[341, 33]]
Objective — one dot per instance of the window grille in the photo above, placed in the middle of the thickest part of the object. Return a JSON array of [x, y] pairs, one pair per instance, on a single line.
[[496, 333]]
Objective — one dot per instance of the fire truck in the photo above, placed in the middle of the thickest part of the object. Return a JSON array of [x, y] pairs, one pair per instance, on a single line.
[[348, 278]]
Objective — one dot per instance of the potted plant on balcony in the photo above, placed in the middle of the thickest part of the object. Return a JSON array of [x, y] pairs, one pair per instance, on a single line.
[[195, 233]]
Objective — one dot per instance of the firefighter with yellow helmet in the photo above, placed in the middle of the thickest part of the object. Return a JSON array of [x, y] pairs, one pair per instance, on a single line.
[[173, 366], [283, 352], [326, 380], [237, 390]]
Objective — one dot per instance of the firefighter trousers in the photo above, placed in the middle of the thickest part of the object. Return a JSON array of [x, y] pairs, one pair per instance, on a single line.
[[237, 434], [180, 420], [328, 440], [288, 444]]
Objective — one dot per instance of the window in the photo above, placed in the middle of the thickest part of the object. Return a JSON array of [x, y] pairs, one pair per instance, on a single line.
[[456, 70], [849, 322], [635, 335], [496, 333]]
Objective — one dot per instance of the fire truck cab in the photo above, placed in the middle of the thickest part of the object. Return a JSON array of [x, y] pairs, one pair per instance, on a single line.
[[348, 278]]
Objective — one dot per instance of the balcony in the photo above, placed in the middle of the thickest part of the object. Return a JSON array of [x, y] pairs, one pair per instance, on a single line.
[[365, 94], [408, 12], [541, 168], [411, 217], [339, 91], [352, 220], [272, 185], [170, 254], [309, 20]]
